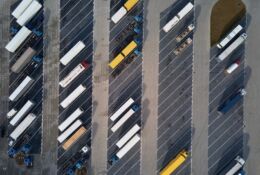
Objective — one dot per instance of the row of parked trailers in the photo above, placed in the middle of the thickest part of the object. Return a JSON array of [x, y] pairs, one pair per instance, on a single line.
[[132, 137], [20, 118], [71, 128]]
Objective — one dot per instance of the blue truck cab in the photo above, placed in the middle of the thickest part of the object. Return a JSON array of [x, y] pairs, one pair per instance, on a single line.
[[28, 161], [230, 103], [113, 160], [11, 152]]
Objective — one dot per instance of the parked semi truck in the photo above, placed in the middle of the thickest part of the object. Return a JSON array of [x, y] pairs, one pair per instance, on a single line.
[[124, 118], [21, 8], [22, 112], [122, 109], [188, 30], [229, 37], [74, 51], [231, 47], [74, 73], [22, 126], [18, 39], [71, 97], [232, 67], [239, 164], [183, 12], [123, 10], [29, 13], [123, 54], [23, 86], [82, 130], [230, 103], [70, 119], [183, 46], [128, 136], [69, 131], [23, 60], [175, 163], [127, 147]]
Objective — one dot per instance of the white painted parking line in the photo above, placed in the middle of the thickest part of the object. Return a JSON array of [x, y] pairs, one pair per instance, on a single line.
[[169, 11], [224, 131], [176, 78], [217, 160], [175, 112], [173, 59], [235, 112], [233, 134], [173, 103], [185, 124], [184, 167], [129, 159], [72, 30], [72, 8], [64, 110], [175, 67], [184, 146], [135, 61], [130, 168], [177, 88], [61, 8], [172, 124], [75, 17], [125, 80]]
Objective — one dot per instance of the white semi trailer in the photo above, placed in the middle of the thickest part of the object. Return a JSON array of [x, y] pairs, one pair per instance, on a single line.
[[29, 13], [74, 51], [69, 131], [19, 91], [22, 126], [18, 39], [71, 97], [70, 119], [21, 8], [229, 37], [239, 164], [183, 12], [124, 118], [231, 47], [122, 109], [22, 112], [128, 136], [74, 73], [115, 158]]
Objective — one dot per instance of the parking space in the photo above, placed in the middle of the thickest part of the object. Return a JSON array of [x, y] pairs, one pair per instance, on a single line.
[[76, 25], [225, 139], [33, 69], [175, 88], [125, 82]]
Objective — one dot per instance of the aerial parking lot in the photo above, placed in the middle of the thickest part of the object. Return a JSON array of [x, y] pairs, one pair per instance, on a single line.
[[129, 87]]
